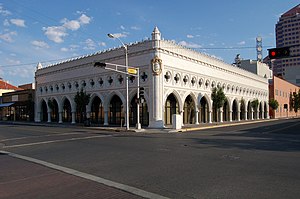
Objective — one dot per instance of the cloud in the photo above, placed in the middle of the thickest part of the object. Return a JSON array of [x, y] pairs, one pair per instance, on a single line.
[[4, 12], [102, 44], [23, 72], [190, 36], [55, 33], [8, 36], [83, 19], [135, 28], [18, 22], [40, 44], [6, 22], [71, 48], [89, 45], [71, 25], [189, 45], [122, 27], [120, 35], [241, 43]]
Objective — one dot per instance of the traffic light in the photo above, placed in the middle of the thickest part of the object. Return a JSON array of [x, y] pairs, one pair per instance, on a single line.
[[142, 93], [100, 64], [277, 53]]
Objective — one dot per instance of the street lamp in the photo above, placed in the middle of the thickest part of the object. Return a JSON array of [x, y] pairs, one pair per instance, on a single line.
[[126, 64]]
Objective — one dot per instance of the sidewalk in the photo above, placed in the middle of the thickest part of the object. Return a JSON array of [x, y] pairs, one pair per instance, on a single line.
[[167, 129], [20, 179]]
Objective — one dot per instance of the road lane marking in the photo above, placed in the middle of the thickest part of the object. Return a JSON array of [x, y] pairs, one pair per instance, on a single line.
[[55, 141], [127, 188], [38, 136]]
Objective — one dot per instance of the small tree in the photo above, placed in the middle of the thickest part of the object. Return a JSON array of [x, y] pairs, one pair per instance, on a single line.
[[81, 99], [273, 104], [296, 101], [254, 105], [218, 97]]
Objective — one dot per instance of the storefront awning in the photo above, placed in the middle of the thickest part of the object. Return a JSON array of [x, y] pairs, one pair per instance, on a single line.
[[6, 104]]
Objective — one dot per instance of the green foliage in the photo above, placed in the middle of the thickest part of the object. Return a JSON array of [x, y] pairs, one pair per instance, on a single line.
[[296, 101], [254, 104], [218, 97], [81, 99], [50, 104], [273, 104]]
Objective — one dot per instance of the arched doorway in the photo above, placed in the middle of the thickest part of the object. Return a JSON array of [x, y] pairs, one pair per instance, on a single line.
[[226, 111], [171, 107], [44, 112], [97, 111], [189, 111], [243, 110], [204, 111], [54, 110], [265, 110], [249, 111], [67, 111], [116, 113], [144, 115], [260, 111], [234, 110]]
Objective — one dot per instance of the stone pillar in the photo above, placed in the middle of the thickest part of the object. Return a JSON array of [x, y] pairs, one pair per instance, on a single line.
[[73, 117], [49, 116], [197, 116], [105, 118], [246, 115], [209, 117], [239, 116], [221, 114], [230, 116], [156, 94], [60, 117], [38, 117]]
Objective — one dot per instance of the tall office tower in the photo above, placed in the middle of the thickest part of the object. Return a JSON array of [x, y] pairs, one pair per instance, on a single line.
[[288, 35]]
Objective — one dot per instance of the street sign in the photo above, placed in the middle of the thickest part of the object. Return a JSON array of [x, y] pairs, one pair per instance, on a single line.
[[132, 71]]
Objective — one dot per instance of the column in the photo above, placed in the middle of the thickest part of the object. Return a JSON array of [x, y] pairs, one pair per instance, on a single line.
[[38, 117], [221, 114], [73, 117], [239, 116], [209, 117], [49, 116], [196, 116], [105, 118], [60, 117], [246, 115], [230, 116]]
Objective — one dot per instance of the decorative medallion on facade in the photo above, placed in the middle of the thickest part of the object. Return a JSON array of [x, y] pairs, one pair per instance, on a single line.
[[156, 64]]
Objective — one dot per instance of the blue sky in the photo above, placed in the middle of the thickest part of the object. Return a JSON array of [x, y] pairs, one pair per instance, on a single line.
[[33, 31]]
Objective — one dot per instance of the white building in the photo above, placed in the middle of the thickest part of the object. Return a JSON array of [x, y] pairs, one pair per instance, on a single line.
[[177, 80], [257, 67]]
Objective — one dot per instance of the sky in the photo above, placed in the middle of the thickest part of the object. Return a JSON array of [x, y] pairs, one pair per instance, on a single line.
[[33, 31]]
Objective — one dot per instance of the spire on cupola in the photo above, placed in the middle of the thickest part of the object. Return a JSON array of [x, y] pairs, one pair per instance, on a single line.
[[39, 66], [156, 34]]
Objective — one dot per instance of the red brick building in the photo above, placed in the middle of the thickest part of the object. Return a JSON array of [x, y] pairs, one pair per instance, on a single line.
[[281, 90]]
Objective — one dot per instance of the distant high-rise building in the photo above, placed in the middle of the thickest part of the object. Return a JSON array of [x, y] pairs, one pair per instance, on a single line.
[[288, 35]]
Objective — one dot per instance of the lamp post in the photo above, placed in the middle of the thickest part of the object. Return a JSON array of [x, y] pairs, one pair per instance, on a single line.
[[126, 64]]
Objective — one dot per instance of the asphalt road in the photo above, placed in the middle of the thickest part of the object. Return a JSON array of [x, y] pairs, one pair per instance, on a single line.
[[259, 160]]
